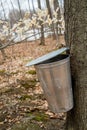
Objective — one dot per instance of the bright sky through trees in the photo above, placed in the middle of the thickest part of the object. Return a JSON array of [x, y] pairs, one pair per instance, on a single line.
[[7, 5]]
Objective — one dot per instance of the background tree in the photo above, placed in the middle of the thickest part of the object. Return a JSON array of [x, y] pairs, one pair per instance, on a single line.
[[3, 52], [3, 10], [50, 14], [19, 6], [42, 27], [57, 29], [76, 39], [56, 5], [22, 22], [14, 16]]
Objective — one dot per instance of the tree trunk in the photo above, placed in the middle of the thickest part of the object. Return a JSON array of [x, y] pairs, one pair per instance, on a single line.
[[42, 27], [50, 13], [56, 5], [3, 54], [76, 39], [19, 8]]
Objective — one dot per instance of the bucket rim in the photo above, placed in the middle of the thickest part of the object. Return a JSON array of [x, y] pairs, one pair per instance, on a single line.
[[53, 64], [47, 56]]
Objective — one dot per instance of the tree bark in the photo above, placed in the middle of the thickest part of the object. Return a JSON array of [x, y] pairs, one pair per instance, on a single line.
[[76, 39]]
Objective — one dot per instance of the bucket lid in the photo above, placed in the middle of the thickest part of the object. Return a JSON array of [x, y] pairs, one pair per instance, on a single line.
[[47, 56]]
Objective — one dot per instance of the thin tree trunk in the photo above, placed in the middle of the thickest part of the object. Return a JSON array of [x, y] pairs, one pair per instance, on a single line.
[[19, 8], [50, 13], [56, 5], [42, 27], [76, 38], [3, 10], [13, 9], [3, 52], [31, 16]]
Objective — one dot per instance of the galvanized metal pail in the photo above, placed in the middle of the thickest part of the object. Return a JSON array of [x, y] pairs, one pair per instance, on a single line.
[[55, 78]]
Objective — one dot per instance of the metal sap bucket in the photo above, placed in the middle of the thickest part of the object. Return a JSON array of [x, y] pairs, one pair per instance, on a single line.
[[55, 78]]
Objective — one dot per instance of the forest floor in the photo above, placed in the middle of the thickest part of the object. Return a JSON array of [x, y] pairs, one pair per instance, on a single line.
[[23, 105]]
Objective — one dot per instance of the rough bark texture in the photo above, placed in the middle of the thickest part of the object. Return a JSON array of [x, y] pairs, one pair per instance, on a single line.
[[76, 38]]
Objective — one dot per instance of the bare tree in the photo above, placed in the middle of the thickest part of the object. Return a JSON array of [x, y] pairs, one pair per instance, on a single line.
[[76, 39], [14, 18], [56, 6], [42, 27], [50, 13], [19, 8], [3, 10], [3, 52], [13, 9]]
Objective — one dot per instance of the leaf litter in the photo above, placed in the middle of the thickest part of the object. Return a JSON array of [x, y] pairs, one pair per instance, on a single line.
[[22, 101]]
